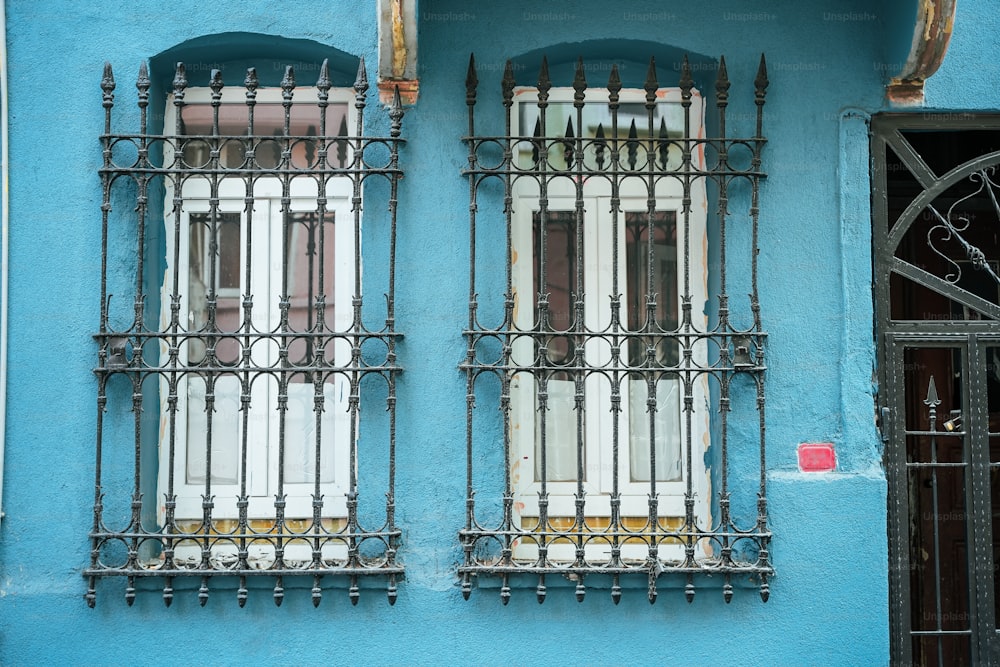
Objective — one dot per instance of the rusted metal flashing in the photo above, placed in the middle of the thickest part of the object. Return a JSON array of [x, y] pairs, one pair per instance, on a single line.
[[931, 34], [397, 60]]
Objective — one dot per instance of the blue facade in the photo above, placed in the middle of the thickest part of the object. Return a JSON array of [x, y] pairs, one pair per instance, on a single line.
[[828, 64]]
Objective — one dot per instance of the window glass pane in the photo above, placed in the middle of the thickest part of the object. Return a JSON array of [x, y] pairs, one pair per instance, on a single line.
[[303, 431], [219, 266], [651, 276], [225, 430], [555, 275], [633, 123], [269, 119]]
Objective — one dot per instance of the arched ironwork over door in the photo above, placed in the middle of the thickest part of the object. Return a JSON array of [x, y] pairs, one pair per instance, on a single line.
[[936, 232]]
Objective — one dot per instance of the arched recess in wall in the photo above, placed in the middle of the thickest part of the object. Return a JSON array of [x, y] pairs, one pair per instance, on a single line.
[[233, 52]]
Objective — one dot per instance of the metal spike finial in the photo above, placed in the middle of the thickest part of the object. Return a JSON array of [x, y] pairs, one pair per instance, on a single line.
[[288, 82], [544, 83], [142, 82], [632, 145], [722, 82], [251, 83], [579, 82], [323, 82], [686, 82], [614, 83], [108, 79], [180, 80], [215, 83], [651, 84], [395, 114], [760, 82], [361, 82], [507, 84], [471, 81], [932, 399]]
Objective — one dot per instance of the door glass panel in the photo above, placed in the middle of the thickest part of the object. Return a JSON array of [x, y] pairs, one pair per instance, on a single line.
[[937, 463]]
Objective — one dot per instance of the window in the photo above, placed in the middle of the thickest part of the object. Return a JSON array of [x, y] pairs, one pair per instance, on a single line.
[[564, 270], [613, 374], [248, 336]]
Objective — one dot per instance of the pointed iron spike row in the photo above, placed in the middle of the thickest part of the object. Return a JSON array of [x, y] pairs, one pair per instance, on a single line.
[[507, 84], [180, 81], [651, 84], [471, 81], [614, 84], [323, 82], [361, 82], [686, 82], [544, 83], [251, 83], [579, 83], [288, 82], [107, 80], [760, 82], [722, 82], [569, 128]]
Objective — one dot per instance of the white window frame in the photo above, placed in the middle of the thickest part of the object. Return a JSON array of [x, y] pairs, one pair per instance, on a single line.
[[598, 287], [265, 223]]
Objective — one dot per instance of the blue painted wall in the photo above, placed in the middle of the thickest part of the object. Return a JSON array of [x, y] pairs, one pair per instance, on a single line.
[[829, 599]]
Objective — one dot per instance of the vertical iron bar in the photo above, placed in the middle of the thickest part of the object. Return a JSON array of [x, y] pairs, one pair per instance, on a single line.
[[544, 324], [580, 327], [357, 168], [471, 82], [396, 119], [650, 326], [507, 95], [614, 87], [760, 86], [722, 168]]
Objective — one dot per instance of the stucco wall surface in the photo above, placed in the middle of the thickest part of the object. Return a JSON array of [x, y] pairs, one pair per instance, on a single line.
[[828, 602]]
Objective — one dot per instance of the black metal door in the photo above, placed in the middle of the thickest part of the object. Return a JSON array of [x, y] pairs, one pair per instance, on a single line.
[[937, 260]]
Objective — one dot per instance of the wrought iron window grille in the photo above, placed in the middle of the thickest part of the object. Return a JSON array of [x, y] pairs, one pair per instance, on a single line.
[[256, 361], [589, 369]]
